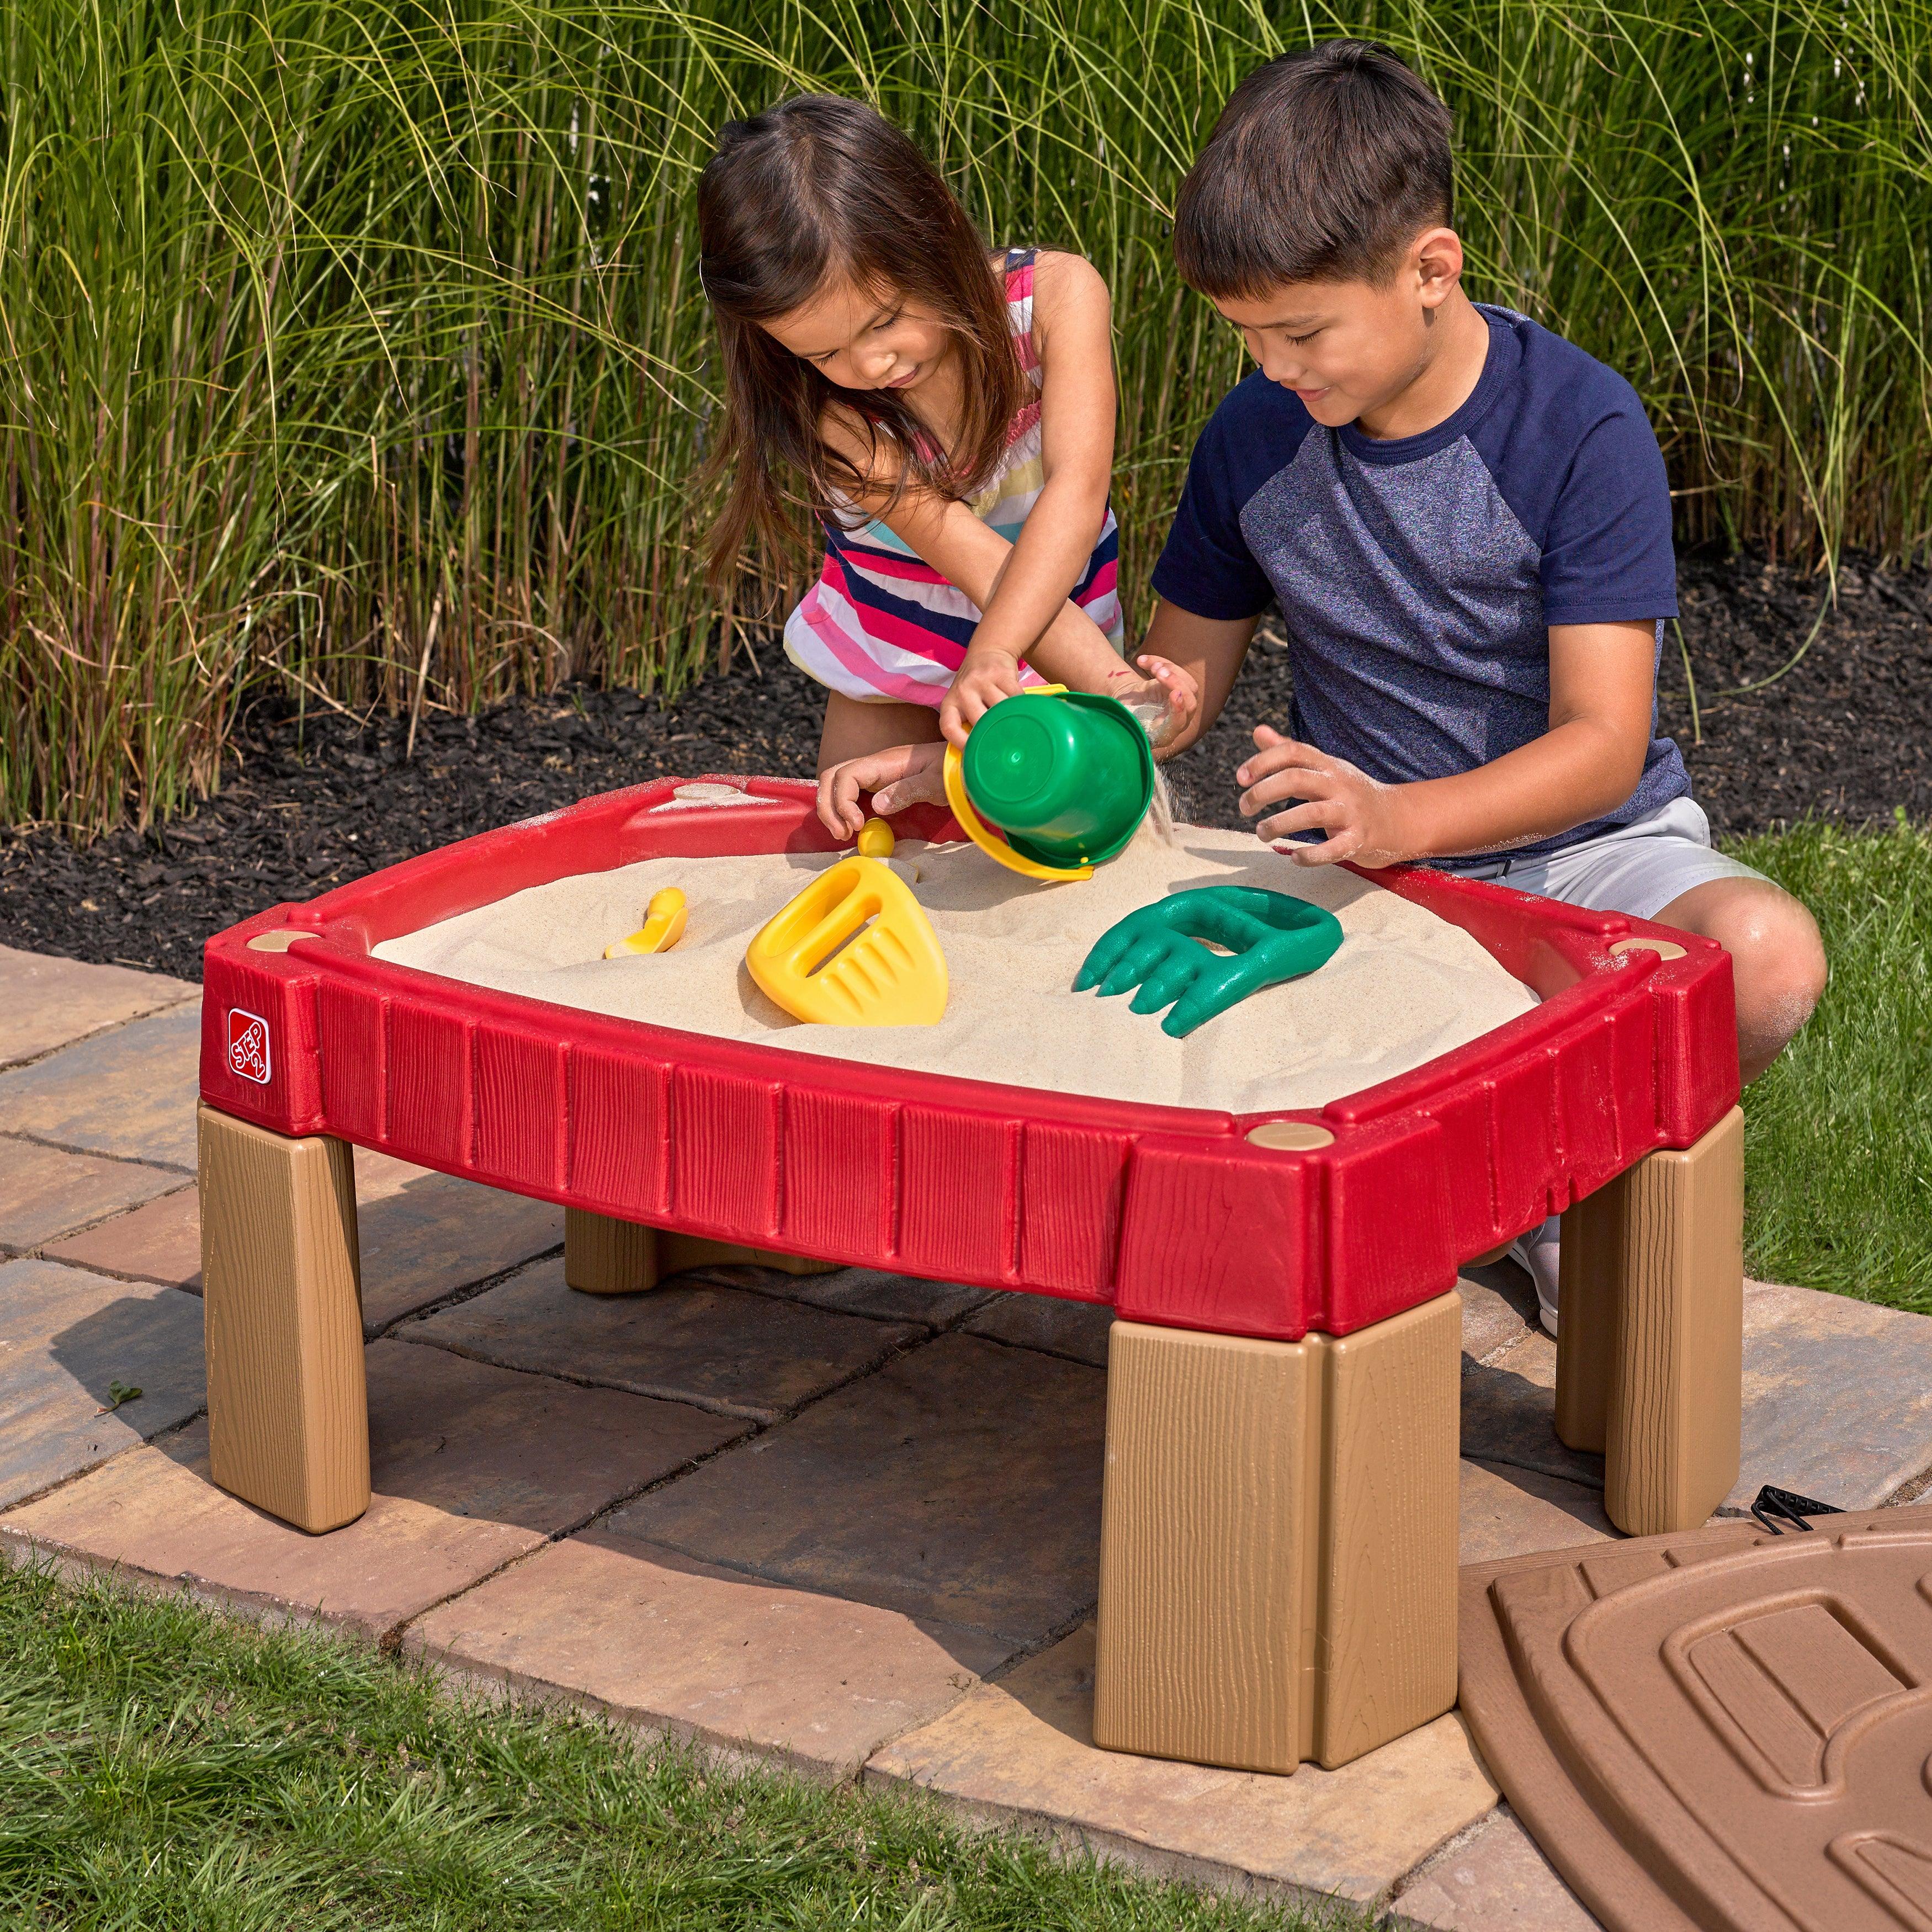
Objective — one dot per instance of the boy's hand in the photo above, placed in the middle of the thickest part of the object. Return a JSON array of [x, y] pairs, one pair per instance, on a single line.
[[1164, 700], [1361, 817], [905, 775], [986, 675]]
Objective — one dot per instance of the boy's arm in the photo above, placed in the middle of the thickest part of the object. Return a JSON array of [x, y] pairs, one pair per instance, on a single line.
[[1602, 678]]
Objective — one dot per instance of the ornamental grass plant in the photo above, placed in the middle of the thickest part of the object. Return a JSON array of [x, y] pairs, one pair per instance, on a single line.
[[360, 348]]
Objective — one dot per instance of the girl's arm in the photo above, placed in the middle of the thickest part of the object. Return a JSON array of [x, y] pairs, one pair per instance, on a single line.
[[1073, 333], [1066, 646], [1071, 648]]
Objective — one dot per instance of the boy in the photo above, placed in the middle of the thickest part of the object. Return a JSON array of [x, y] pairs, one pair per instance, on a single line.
[[1466, 522]]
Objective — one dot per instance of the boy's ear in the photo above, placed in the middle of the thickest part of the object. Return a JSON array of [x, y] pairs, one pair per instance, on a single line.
[[1436, 255]]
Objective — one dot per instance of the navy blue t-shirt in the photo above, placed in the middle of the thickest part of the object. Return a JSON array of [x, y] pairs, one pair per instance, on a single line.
[[1418, 576]]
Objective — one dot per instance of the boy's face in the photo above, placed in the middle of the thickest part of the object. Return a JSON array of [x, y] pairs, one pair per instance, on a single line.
[[1348, 348]]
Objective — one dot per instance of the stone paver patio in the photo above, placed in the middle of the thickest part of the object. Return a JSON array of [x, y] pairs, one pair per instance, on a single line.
[[849, 1522]]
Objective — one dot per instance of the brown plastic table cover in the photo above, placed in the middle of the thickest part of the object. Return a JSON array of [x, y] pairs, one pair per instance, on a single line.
[[1724, 1728]]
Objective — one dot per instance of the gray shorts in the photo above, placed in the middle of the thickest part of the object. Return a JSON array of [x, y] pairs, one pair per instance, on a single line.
[[1637, 869]]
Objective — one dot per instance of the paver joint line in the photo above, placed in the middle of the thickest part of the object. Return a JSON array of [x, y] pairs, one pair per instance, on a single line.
[[9, 1536], [1444, 1851], [98, 1153], [468, 1291], [1026, 1655], [712, 1405], [1908, 1491], [1029, 1348], [724, 1277], [696, 1463], [40, 1252], [99, 1032], [622, 1501]]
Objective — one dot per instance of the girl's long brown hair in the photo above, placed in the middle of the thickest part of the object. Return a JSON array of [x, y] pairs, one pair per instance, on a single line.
[[814, 188]]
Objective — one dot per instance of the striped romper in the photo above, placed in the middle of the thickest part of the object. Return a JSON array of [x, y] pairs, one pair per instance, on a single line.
[[880, 625]]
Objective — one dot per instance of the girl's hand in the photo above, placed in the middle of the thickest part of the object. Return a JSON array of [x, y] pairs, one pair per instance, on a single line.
[[903, 775], [984, 675], [1362, 818], [1164, 700]]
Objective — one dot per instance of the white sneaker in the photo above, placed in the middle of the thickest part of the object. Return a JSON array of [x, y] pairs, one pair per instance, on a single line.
[[1538, 1252]]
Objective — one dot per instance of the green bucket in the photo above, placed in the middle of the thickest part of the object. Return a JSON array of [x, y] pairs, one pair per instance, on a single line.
[[1067, 776]]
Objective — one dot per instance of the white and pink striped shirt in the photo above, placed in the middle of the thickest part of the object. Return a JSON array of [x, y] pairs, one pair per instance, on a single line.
[[880, 625]]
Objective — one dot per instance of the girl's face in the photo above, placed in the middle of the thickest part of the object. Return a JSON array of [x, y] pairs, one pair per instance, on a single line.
[[860, 338]]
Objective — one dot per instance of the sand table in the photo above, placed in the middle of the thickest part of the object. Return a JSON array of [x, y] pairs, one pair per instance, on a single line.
[[1404, 986]]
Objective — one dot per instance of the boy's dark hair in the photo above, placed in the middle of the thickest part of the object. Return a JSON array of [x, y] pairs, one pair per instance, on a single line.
[[1323, 165]]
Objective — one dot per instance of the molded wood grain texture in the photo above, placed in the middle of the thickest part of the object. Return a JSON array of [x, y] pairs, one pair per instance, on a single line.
[[1677, 1384], [1204, 1533], [288, 1421], [1385, 1618], [1653, 1373], [1589, 1281], [1278, 1541], [602, 1255]]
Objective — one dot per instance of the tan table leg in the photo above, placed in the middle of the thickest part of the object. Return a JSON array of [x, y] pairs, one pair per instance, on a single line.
[[288, 1420], [1278, 1541], [604, 1256], [1650, 1351], [1588, 1285]]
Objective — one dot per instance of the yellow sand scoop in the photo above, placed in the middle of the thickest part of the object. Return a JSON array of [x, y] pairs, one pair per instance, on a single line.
[[854, 948], [664, 926]]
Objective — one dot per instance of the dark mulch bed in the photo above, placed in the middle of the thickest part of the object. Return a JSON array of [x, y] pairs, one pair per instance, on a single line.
[[1846, 734], [309, 802]]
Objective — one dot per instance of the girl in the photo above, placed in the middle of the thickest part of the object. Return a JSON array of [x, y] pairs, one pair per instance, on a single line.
[[947, 414]]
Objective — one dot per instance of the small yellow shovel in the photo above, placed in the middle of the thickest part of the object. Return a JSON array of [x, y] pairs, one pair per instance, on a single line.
[[663, 927], [854, 948]]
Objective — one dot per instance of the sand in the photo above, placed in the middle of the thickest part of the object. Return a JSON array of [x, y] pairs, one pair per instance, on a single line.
[[1404, 987]]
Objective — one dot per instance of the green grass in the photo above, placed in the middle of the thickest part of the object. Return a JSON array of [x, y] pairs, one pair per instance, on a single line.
[[1838, 1149], [163, 1767], [355, 345]]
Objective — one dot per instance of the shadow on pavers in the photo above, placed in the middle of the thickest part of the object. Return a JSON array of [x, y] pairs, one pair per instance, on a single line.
[[59, 1415], [1511, 1282], [960, 1484], [150, 1342], [1509, 1415]]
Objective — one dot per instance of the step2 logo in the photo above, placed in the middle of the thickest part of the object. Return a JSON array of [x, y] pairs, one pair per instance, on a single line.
[[248, 1046]]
